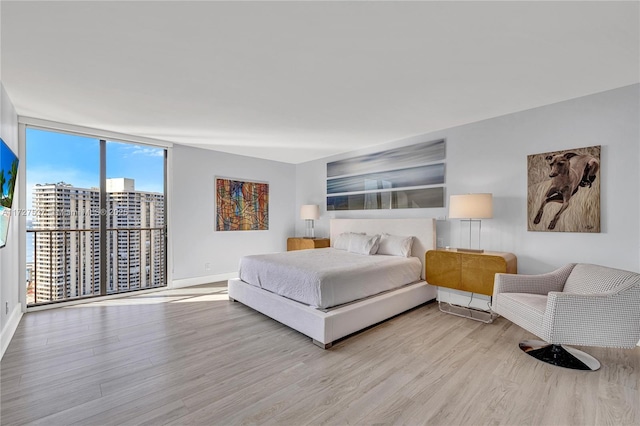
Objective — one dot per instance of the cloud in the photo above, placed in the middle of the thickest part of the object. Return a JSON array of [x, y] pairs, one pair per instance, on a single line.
[[141, 150], [150, 152]]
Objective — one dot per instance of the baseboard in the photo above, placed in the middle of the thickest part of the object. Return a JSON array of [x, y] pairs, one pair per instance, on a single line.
[[10, 328], [188, 282]]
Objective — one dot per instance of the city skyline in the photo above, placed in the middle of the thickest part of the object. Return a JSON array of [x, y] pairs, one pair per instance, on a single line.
[[68, 245], [53, 157]]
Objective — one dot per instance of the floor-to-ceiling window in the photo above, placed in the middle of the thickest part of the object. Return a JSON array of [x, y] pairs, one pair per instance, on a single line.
[[96, 220], [136, 221]]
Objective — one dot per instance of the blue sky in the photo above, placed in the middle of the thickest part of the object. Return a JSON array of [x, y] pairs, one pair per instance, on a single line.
[[53, 157]]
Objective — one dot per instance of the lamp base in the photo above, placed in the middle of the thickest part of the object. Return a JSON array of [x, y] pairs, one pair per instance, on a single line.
[[309, 231], [469, 250]]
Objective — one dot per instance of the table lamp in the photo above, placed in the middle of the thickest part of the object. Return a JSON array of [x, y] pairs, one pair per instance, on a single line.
[[471, 208], [309, 212]]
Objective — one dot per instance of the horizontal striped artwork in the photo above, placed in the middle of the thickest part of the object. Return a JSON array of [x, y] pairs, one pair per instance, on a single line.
[[400, 178]]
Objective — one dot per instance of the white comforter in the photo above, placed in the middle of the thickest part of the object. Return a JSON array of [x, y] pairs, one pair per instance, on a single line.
[[328, 277]]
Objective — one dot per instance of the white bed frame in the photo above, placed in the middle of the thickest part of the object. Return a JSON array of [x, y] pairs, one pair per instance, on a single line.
[[326, 327]]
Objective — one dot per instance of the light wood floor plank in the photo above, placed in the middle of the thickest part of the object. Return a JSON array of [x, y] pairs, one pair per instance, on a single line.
[[190, 356]]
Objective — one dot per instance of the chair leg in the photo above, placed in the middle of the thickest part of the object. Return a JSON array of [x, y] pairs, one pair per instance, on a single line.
[[561, 356]]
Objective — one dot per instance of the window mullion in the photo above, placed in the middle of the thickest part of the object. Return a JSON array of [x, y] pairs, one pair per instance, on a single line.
[[103, 217]]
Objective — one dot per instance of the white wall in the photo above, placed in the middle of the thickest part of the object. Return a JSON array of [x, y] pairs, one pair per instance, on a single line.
[[195, 242], [491, 156], [10, 307]]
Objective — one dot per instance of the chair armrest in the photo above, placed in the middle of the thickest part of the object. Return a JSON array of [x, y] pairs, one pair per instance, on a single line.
[[610, 319], [534, 284]]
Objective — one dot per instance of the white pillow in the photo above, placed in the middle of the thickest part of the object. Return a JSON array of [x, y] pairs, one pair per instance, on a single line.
[[375, 247], [342, 240], [394, 245], [363, 244]]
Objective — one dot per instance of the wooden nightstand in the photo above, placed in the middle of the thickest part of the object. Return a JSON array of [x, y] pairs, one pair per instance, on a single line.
[[307, 243], [470, 272]]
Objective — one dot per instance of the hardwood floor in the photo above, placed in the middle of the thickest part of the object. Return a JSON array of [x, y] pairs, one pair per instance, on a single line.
[[190, 356]]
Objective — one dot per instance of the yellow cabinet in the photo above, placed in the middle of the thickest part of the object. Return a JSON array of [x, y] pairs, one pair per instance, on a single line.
[[464, 271], [306, 243]]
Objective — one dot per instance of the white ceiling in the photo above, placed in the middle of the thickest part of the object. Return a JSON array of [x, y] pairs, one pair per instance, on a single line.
[[296, 81]]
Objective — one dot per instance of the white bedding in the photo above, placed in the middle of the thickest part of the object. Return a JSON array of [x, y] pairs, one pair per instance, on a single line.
[[328, 277]]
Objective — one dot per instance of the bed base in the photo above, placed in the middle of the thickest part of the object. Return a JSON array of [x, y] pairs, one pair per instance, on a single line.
[[326, 327], [322, 345]]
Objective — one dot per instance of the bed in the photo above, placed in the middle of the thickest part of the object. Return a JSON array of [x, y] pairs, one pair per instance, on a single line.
[[326, 324]]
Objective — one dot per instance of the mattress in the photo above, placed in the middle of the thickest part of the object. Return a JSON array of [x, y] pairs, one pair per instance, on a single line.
[[328, 277]]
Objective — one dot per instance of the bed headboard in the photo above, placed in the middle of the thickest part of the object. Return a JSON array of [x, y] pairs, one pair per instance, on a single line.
[[423, 229]]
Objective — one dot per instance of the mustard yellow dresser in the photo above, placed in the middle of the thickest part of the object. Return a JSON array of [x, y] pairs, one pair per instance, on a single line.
[[306, 243], [466, 271]]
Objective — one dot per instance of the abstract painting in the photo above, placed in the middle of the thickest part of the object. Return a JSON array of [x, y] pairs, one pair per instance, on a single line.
[[563, 191], [407, 177], [241, 205]]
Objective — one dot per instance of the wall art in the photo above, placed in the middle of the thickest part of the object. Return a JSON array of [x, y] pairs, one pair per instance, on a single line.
[[241, 205], [400, 178], [563, 191], [8, 177]]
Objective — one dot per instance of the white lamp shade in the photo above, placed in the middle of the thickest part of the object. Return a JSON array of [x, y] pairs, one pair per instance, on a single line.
[[471, 206], [310, 211]]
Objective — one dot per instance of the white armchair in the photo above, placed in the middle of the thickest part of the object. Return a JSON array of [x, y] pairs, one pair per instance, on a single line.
[[578, 304]]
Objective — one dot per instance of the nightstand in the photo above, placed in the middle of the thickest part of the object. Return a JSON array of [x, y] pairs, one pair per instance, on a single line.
[[307, 243], [470, 272]]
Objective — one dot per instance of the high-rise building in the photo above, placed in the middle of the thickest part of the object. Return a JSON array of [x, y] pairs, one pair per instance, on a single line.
[[135, 244], [67, 240]]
